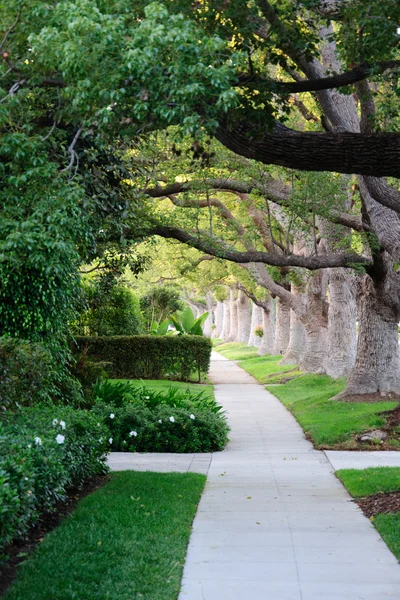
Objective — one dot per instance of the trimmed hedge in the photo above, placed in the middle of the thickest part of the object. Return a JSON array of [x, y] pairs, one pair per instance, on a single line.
[[149, 356]]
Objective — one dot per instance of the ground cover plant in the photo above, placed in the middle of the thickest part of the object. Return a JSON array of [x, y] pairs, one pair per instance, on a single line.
[[126, 540], [43, 452], [377, 491], [160, 419]]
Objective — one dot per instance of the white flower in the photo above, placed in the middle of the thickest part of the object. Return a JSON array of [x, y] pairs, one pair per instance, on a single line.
[[62, 424], [98, 425], [60, 439], [100, 440], [192, 417], [55, 422], [38, 441], [29, 445], [160, 420], [147, 397], [110, 440], [133, 433], [172, 419], [112, 416]]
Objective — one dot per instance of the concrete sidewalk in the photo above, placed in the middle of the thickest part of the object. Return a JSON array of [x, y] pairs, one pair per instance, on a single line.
[[274, 523]]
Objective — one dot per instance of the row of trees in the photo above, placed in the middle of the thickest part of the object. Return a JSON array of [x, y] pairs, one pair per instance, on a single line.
[[88, 90]]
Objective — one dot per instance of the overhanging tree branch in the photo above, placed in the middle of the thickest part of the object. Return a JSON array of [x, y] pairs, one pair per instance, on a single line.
[[218, 248]]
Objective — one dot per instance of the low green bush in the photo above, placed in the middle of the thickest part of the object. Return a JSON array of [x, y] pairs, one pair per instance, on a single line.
[[148, 421], [31, 374], [43, 452], [149, 356]]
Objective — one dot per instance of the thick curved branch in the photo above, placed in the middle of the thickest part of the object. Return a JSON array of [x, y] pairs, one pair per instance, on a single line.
[[274, 190], [322, 83], [216, 247], [343, 152], [261, 303]]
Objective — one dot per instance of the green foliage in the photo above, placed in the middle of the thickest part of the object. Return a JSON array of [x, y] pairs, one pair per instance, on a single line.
[[110, 311], [160, 328], [188, 324], [44, 451], [112, 392], [158, 304], [131, 535], [150, 357], [29, 374], [367, 482], [388, 526], [173, 422]]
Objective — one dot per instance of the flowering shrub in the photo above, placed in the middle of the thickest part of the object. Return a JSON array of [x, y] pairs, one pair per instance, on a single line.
[[259, 331], [174, 422], [43, 451]]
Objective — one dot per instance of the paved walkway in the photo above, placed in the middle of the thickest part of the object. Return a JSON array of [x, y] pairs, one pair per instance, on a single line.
[[362, 460], [274, 523]]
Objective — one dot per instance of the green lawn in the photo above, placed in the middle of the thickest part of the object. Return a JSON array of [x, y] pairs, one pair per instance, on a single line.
[[329, 423], [126, 541], [368, 482], [163, 385], [260, 367]]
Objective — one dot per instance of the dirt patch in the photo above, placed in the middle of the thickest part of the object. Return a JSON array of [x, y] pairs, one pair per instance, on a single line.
[[379, 503], [370, 398], [18, 551]]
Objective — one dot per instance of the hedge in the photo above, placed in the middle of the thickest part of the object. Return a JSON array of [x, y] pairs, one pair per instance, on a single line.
[[149, 356]]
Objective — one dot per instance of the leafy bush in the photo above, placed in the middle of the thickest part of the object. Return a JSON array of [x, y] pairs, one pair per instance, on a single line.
[[114, 311], [30, 373], [188, 324], [136, 426], [43, 451], [150, 356]]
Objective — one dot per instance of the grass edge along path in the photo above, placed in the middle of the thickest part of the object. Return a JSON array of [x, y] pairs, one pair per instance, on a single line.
[[371, 481], [163, 385], [127, 540], [330, 424]]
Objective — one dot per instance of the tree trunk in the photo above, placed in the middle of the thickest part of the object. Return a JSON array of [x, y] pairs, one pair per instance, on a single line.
[[268, 338], [282, 328], [233, 330], [377, 367], [218, 315], [256, 321], [315, 321], [208, 323], [297, 341], [244, 317], [226, 320], [342, 338]]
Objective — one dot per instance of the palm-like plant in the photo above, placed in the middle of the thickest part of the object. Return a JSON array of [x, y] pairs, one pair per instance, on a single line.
[[188, 324]]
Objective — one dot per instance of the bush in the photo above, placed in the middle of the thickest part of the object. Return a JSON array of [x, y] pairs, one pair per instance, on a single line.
[[149, 356], [139, 426], [114, 311], [44, 451], [30, 373]]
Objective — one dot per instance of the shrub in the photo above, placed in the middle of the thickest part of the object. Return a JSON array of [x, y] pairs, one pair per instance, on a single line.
[[114, 311], [149, 356], [31, 373], [44, 451], [137, 427]]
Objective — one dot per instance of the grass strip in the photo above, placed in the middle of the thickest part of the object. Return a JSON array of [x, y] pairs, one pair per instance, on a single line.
[[367, 482], [371, 481], [260, 367], [329, 423], [126, 541]]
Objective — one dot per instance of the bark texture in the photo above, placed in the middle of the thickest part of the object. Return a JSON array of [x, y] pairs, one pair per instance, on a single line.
[[315, 321], [256, 321], [282, 327], [297, 341], [377, 367], [218, 317], [342, 339], [244, 317], [233, 330], [226, 320], [267, 340]]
